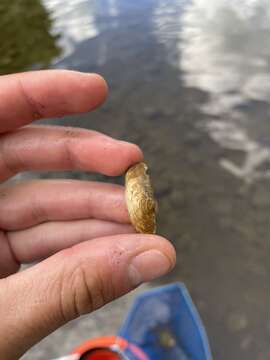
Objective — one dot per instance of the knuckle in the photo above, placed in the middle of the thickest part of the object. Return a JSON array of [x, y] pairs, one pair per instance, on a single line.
[[8, 262], [38, 212], [9, 166], [88, 284], [37, 109], [80, 293], [70, 135]]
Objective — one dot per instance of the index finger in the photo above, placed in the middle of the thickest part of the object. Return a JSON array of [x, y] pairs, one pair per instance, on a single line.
[[30, 96]]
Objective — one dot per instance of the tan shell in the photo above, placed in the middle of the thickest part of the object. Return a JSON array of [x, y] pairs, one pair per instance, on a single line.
[[140, 199]]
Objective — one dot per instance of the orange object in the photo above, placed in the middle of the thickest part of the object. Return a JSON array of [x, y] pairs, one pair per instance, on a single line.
[[101, 348], [101, 355]]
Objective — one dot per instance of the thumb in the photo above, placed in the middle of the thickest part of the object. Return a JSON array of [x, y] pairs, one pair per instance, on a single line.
[[73, 282]]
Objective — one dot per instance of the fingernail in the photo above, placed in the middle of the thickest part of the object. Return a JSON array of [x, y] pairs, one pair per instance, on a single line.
[[147, 266]]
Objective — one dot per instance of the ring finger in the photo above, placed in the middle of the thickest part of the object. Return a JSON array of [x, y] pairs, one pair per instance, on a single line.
[[41, 241]]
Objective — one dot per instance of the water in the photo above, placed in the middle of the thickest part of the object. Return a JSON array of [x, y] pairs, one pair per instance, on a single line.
[[189, 82]]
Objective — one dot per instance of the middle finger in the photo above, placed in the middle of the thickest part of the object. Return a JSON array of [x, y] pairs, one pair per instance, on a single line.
[[64, 148], [33, 202]]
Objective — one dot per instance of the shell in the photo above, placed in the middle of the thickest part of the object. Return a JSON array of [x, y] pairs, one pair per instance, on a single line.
[[140, 199]]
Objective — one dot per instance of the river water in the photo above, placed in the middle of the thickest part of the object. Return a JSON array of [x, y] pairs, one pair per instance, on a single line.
[[190, 83]]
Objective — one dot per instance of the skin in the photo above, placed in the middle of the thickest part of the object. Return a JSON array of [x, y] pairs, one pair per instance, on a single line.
[[77, 232]]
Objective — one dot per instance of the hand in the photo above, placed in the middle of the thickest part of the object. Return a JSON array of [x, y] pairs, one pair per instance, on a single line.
[[80, 230]]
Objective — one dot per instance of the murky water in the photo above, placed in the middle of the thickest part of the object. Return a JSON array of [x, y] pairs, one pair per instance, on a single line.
[[190, 83]]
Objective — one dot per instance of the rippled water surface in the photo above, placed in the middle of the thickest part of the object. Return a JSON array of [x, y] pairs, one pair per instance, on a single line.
[[190, 83]]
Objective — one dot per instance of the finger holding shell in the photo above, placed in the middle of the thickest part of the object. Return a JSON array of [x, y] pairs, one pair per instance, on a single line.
[[140, 199]]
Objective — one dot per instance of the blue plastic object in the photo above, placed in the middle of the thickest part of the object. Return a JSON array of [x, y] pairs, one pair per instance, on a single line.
[[165, 324]]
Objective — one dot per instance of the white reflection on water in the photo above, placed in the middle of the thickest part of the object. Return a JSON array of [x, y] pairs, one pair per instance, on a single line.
[[229, 135], [167, 26], [73, 20], [226, 48], [223, 48]]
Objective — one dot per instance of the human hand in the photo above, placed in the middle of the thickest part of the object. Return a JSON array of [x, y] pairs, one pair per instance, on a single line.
[[80, 230]]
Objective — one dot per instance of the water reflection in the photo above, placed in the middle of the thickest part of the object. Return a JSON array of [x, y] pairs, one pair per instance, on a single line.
[[225, 51], [77, 20], [74, 20], [25, 38]]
